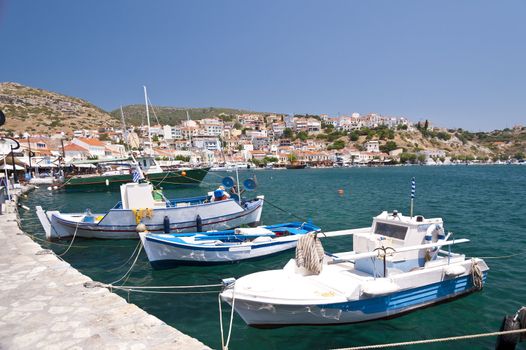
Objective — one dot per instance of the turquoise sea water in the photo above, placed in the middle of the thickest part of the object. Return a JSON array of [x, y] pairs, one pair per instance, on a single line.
[[486, 204]]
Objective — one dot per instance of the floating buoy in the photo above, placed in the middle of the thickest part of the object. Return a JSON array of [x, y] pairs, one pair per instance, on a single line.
[[49, 188], [340, 191], [183, 173], [55, 187]]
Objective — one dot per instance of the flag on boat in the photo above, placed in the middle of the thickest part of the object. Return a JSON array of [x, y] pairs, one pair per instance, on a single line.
[[413, 188], [137, 175]]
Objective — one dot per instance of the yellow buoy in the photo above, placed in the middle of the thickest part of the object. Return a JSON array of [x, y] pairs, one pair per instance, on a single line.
[[183, 173]]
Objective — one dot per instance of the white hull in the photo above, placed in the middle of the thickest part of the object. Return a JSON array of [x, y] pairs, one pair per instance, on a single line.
[[121, 223], [162, 254], [342, 303]]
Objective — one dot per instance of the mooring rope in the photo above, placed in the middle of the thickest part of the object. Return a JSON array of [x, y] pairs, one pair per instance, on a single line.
[[127, 261], [72, 240], [435, 340], [283, 210], [502, 256], [129, 270], [224, 345]]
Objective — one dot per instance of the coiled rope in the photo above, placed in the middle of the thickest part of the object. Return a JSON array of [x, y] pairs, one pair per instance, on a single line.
[[309, 253], [435, 340], [476, 275]]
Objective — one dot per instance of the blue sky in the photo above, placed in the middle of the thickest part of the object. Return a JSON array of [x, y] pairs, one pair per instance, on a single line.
[[457, 63]]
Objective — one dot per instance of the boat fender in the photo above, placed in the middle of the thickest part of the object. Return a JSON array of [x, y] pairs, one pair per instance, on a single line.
[[379, 286], [508, 341], [199, 223], [166, 224], [140, 227], [453, 271], [107, 182]]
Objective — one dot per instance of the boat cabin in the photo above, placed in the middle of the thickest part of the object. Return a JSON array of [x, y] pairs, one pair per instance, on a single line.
[[140, 195], [149, 165], [391, 231]]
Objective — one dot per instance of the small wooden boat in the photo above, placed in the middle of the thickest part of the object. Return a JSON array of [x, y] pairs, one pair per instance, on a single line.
[[397, 266], [165, 250], [141, 204]]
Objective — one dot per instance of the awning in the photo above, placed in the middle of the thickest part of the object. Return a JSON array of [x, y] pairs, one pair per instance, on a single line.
[[10, 167]]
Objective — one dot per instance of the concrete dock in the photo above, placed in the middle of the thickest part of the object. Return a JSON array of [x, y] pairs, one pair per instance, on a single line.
[[44, 304]]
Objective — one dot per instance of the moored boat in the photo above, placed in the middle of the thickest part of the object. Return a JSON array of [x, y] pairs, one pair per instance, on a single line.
[[141, 204], [397, 266], [214, 247], [112, 180]]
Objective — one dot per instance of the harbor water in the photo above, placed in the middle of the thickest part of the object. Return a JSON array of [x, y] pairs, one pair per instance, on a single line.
[[486, 204]]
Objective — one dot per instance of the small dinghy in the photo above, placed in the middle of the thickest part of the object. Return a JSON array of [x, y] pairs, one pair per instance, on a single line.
[[141, 204], [397, 266], [165, 250]]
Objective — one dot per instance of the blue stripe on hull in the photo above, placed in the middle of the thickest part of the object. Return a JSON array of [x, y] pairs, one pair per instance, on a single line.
[[167, 264], [408, 299]]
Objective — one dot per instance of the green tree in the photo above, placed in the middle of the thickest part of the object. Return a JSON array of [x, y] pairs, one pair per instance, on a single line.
[[519, 155], [338, 144], [238, 126], [406, 157], [388, 147], [354, 136], [287, 133], [303, 135], [421, 158], [292, 158]]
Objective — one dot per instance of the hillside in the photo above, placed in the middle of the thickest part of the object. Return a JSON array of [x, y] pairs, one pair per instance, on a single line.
[[136, 114], [40, 111]]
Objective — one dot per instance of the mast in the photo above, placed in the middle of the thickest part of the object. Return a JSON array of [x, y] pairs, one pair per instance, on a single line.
[[148, 117], [125, 131], [189, 130]]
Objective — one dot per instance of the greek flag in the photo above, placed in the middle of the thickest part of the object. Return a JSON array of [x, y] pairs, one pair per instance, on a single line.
[[137, 175], [413, 188]]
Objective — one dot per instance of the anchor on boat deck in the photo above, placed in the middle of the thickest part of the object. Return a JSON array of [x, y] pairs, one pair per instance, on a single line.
[[382, 253]]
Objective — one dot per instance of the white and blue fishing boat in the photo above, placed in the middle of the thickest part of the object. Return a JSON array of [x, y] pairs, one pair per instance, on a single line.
[[141, 204], [202, 248], [399, 264]]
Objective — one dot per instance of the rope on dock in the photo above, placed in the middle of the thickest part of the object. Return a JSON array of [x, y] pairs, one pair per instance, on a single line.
[[435, 340]]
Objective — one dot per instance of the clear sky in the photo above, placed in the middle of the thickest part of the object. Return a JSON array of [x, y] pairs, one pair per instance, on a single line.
[[460, 63]]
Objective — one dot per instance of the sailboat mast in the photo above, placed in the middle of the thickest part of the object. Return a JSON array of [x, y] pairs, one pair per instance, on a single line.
[[148, 116], [189, 130]]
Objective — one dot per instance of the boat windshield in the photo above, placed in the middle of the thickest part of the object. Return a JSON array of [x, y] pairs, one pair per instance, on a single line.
[[390, 230]]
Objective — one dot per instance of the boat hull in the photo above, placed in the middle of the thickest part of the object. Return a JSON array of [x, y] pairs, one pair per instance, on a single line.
[[168, 179], [167, 254], [267, 315], [121, 224]]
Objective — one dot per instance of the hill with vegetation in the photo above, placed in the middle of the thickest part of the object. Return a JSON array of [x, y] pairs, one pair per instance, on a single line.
[[136, 114], [39, 111]]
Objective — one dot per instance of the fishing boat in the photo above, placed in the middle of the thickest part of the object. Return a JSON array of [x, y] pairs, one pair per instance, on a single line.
[[213, 247], [113, 179], [399, 264], [140, 204]]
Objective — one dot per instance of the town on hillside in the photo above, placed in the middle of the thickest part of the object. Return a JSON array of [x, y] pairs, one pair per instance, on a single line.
[[258, 140]]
